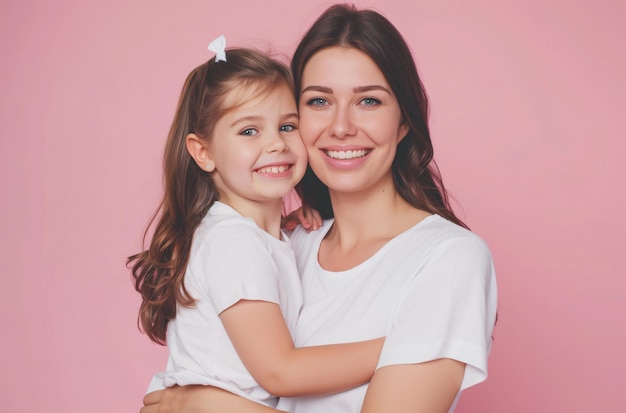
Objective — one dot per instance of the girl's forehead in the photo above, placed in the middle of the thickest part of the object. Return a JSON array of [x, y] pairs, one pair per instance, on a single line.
[[240, 93], [254, 92]]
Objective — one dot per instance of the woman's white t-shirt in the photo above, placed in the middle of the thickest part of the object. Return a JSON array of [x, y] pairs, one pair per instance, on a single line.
[[231, 259], [431, 291]]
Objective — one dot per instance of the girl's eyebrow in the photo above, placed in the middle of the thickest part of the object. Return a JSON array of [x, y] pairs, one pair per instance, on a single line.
[[257, 118], [245, 119], [290, 115], [358, 89]]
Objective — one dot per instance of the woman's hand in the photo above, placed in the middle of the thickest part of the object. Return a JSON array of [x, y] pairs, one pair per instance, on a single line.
[[309, 218], [199, 399], [170, 400]]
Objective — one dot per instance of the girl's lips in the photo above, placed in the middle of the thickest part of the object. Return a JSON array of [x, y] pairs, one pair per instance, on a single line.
[[273, 169], [276, 170]]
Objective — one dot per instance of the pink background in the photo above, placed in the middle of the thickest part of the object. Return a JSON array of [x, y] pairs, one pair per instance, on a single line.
[[528, 101]]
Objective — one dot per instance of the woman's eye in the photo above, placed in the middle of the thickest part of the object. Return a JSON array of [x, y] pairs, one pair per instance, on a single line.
[[249, 132], [370, 101], [317, 102], [288, 128]]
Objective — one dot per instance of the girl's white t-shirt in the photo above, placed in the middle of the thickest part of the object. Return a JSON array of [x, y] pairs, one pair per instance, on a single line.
[[231, 259], [431, 291]]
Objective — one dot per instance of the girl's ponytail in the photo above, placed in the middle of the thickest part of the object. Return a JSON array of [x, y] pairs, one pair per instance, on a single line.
[[189, 191]]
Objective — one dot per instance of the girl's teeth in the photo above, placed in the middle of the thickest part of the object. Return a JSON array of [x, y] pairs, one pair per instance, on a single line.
[[273, 169]]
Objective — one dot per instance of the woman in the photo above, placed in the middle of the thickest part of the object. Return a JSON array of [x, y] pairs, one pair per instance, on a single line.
[[391, 258]]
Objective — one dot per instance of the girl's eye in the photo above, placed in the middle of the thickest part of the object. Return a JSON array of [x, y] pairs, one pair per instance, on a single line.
[[288, 128], [317, 102], [370, 101], [249, 132]]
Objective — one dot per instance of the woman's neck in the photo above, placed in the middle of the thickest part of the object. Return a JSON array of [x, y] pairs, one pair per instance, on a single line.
[[370, 218], [364, 222]]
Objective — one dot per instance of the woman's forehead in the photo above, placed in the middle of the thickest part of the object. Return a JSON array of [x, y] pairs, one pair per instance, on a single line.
[[342, 66]]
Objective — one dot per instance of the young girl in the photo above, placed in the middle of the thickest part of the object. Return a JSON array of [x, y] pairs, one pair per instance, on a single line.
[[219, 276]]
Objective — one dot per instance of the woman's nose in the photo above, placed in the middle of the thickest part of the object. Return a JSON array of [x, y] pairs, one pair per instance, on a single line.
[[342, 125]]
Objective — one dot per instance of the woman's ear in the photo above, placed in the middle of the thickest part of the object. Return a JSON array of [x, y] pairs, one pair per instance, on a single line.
[[200, 152], [403, 129]]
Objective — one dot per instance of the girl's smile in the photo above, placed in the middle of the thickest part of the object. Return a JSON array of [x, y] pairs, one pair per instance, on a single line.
[[257, 150]]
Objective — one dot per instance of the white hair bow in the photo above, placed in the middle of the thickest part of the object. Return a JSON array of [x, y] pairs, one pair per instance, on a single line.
[[218, 47]]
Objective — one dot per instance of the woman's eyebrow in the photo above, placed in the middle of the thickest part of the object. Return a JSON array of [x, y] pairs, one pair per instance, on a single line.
[[361, 89], [358, 89], [322, 89]]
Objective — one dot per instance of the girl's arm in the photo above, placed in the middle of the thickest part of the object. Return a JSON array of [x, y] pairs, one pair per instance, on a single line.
[[200, 399], [428, 387], [258, 332]]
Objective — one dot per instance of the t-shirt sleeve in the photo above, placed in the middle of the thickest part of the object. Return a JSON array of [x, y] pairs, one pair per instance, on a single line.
[[236, 264], [447, 311]]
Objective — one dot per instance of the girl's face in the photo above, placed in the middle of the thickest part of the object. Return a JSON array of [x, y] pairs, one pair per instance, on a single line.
[[350, 120], [257, 150]]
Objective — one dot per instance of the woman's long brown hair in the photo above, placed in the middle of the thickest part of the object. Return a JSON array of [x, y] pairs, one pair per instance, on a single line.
[[189, 191], [415, 173]]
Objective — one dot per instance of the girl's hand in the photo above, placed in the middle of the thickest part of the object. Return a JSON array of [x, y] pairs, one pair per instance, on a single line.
[[309, 218]]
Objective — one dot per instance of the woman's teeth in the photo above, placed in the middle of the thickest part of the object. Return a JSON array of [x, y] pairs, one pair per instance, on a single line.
[[347, 154]]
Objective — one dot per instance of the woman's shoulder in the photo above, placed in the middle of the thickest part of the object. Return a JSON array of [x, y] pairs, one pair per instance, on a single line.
[[442, 234], [447, 252]]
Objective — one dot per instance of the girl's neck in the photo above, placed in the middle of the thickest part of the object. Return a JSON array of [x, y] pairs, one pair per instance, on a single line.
[[267, 215]]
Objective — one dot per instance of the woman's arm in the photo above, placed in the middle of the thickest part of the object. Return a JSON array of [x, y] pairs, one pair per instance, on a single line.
[[450, 310], [258, 331], [428, 387], [200, 399]]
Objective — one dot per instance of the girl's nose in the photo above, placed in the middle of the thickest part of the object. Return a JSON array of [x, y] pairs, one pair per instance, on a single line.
[[277, 143]]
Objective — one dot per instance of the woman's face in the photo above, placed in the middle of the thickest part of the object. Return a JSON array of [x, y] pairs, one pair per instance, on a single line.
[[350, 120]]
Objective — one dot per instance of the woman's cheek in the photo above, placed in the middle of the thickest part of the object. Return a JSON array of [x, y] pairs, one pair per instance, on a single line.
[[307, 131], [308, 140]]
